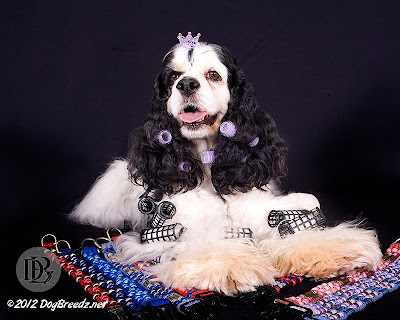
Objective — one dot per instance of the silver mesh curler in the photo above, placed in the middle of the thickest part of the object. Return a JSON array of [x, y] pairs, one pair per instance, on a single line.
[[277, 216], [311, 220], [170, 232], [155, 260], [165, 210], [147, 205], [235, 233]]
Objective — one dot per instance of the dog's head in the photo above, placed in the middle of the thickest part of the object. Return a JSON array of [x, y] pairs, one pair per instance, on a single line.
[[195, 84], [195, 92]]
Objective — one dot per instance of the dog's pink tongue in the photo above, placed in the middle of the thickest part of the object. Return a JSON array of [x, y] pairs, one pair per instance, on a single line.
[[192, 116]]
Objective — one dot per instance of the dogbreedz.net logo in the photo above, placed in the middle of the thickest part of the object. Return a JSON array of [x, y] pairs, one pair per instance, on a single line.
[[38, 271]]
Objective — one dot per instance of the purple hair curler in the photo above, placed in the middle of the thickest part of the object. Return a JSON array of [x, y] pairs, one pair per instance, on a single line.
[[227, 129], [164, 137], [254, 142], [184, 166], [207, 157]]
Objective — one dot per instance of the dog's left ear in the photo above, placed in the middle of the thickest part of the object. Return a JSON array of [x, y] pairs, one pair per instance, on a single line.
[[256, 154]]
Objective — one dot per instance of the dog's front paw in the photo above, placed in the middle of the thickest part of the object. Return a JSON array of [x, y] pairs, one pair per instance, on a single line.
[[223, 269], [326, 253]]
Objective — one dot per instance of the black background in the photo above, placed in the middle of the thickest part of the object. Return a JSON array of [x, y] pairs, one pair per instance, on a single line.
[[77, 77]]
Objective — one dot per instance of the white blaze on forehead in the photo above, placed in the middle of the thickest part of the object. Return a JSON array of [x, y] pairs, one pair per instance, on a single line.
[[204, 58]]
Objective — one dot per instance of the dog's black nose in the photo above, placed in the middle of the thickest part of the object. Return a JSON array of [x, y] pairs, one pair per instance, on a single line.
[[187, 86]]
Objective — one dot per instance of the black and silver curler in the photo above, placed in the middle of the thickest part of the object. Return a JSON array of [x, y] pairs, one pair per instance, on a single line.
[[147, 205], [165, 210], [170, 232], [277, 216], [311, 220], [236, 233]]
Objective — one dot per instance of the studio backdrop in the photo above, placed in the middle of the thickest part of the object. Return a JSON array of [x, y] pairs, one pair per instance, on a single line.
[[78, 77]]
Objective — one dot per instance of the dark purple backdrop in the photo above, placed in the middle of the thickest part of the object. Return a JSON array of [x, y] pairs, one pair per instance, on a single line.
[[78, 77]]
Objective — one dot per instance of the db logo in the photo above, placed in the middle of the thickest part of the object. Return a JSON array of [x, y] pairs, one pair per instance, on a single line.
[[38, 271]]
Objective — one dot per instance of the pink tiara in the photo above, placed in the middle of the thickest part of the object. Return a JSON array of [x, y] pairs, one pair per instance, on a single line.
[[188, 42]]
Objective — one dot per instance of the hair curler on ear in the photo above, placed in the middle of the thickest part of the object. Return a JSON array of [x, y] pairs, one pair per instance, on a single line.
[[227, 129], [164, 137]]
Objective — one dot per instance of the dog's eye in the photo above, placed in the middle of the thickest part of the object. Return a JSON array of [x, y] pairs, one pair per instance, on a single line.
[[213, 75], [173, 77]]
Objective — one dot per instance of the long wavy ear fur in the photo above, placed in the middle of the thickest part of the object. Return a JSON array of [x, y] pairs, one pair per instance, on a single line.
[[155, 165], [238, 166]]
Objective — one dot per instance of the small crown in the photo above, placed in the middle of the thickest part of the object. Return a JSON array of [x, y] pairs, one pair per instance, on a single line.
[[188, 42]]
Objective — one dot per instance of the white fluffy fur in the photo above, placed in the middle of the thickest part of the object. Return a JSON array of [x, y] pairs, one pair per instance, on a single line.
[[112, 199], [204, 259]]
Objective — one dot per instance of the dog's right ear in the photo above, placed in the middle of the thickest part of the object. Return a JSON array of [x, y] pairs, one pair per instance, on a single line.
[[166, 168]]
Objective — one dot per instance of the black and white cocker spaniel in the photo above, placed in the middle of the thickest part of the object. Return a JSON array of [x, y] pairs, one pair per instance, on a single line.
[[208, 148]]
